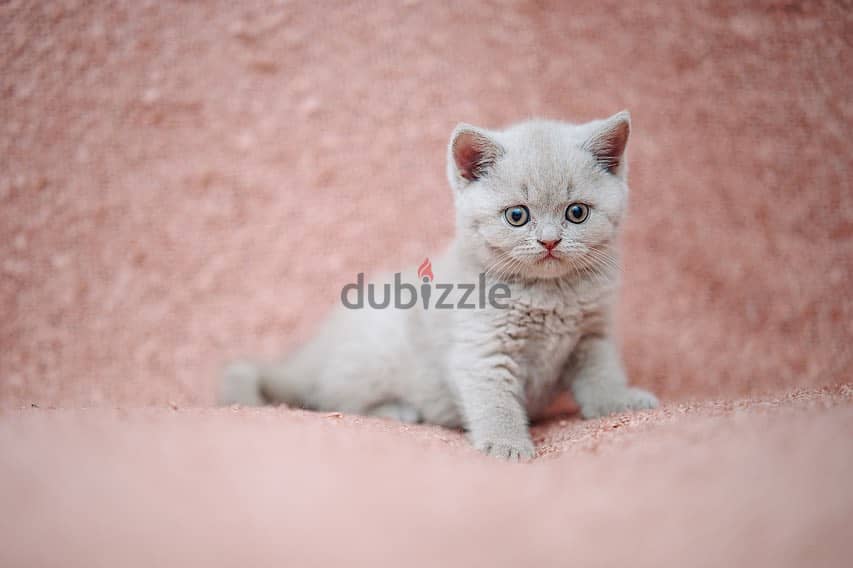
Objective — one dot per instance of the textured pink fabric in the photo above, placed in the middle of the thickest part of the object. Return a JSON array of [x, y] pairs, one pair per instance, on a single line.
[[183, 183], [765, 483]]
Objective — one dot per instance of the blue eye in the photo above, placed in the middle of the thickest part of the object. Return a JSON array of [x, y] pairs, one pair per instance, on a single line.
[[517, 215], [577, 212]]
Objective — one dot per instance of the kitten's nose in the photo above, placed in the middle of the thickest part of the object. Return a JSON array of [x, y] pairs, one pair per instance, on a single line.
[[550, 244]]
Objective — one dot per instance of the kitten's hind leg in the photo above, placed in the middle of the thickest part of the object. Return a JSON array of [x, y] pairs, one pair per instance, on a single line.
[[396, 410]]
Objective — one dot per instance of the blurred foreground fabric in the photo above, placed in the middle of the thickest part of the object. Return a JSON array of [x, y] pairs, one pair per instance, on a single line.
[[183, 183]]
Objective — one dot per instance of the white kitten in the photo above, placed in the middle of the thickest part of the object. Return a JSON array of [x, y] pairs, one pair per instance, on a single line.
[[538, 208]]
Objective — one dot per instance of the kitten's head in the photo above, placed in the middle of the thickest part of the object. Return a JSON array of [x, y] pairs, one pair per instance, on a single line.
[[542, 199]]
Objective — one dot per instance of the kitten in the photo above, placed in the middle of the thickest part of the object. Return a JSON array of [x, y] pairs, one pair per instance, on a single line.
[[538, 209]]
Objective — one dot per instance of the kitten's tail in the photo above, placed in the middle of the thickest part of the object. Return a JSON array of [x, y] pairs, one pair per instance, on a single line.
[[241, 384], [254, 384]]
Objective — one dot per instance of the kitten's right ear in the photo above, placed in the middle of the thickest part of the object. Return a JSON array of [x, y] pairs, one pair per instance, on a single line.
[[472, 153]]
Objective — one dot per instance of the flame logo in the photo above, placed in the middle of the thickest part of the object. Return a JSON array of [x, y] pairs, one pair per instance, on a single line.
[[425, 270]]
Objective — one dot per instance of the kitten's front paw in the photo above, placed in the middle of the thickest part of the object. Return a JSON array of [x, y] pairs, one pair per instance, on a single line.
[[604, 403], [512, 450]]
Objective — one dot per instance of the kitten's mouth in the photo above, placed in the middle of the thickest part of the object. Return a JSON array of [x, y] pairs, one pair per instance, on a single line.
[[547, 257]]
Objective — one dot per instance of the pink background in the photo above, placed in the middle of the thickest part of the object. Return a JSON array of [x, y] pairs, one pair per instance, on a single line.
[[188, 183]]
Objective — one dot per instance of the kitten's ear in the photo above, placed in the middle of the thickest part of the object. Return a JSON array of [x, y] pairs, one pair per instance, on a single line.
[[472, 152], [608, 143]]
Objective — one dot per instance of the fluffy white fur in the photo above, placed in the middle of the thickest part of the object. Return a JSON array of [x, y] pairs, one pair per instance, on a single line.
[[488, 370]]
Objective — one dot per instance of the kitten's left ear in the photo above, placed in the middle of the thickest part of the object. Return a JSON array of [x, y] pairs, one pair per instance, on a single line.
[[608, 143]]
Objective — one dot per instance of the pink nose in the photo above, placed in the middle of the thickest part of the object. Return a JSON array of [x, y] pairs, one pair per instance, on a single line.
[[550, 244]]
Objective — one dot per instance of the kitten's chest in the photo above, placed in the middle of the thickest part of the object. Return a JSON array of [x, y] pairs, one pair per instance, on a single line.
[[535, 333], [541, 331], [550, 319]]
